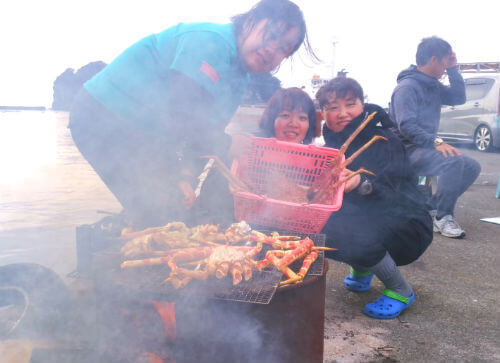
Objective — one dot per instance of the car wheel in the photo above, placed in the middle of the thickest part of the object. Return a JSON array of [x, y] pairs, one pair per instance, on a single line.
[[482, 138]]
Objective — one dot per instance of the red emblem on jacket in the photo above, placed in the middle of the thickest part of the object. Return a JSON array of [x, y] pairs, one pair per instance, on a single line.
[[209, 71]]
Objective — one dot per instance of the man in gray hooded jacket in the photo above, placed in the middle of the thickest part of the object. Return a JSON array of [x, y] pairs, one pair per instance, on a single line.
[[415, 108]]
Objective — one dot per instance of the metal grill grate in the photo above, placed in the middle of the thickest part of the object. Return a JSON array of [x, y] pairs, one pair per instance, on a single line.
[[259, 290]]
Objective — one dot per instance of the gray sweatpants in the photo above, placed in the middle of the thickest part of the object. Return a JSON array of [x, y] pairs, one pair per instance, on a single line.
[[456, 175]]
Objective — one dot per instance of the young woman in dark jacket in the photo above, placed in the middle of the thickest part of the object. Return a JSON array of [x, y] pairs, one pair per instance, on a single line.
[[383, 222]]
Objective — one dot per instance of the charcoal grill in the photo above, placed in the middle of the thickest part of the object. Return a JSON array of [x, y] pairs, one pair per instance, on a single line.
[[215, 322]]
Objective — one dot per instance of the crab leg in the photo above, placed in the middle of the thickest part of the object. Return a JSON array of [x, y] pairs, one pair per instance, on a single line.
[[187, 275], [353, 174], [356, 132], [360, 150], [236, 183], [326, 189], [329, 172], [177, 282], [145, 262], [247, 271], [237, 272], [308, 261], [331, 188]]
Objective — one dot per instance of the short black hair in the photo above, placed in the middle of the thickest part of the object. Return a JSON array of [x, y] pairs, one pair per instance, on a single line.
[[432, 46], [289, 99], [341, 86]]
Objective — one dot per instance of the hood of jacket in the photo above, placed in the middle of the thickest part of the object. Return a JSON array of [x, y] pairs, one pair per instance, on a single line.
[[412, 72]]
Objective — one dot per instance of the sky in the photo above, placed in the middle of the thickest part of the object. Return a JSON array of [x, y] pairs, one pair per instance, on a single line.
[[372, 40]]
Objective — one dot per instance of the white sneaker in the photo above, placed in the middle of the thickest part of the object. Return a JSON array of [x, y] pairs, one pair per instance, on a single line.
[[448, 227]]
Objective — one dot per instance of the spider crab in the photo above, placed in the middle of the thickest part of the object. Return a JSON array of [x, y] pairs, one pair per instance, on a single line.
[[322, 189], [215, 260], [155, 241], [210, 258], [288, 249]]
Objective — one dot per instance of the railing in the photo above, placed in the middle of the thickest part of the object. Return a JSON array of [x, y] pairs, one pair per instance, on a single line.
[[479, 67]]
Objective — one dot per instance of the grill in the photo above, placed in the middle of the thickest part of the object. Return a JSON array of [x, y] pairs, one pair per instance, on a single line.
[[214, 321]]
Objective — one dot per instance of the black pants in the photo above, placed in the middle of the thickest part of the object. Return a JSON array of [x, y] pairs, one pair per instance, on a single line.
[[364, 240], [456, 175], [135, 165]]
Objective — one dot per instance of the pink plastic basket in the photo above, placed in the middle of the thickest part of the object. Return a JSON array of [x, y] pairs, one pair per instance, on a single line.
[[300, 163]]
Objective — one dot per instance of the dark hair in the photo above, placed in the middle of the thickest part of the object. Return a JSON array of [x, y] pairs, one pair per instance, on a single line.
[[341, 86], [280, 13], [432, 46], [289, 99]]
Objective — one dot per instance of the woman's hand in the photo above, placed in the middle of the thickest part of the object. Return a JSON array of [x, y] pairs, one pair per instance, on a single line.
[[241, 145], [352, 183], [188, 193]]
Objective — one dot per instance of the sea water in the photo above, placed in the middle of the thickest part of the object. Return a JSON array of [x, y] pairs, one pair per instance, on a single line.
[[44, 180]]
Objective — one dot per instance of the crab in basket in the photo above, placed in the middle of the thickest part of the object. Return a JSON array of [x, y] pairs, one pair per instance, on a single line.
[[288, 249], [279, 186]]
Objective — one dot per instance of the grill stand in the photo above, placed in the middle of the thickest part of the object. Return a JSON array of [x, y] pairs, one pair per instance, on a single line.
[[288, 329]]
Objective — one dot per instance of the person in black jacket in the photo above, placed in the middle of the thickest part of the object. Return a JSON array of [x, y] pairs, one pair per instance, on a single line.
[[383, 222]]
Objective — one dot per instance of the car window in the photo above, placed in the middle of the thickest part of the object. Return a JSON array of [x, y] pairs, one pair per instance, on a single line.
[[476, 88]]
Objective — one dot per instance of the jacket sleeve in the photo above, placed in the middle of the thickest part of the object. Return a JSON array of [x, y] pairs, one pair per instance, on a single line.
[[405, 106], [391, 170], [454, 94]]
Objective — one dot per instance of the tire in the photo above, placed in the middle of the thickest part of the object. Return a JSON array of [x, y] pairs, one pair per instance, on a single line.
[[44, 295], [483, 139]]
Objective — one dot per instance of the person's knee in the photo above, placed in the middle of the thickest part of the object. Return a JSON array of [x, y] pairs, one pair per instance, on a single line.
[[472, 166]]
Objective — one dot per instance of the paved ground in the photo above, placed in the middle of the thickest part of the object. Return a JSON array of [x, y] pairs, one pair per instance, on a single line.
[[456, 314], [455, 317]]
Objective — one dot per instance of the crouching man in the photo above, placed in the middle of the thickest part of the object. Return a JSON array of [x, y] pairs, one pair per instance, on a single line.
[[415, 108]]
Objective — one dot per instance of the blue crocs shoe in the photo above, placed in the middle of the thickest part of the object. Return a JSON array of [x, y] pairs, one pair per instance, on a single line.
[[389, 305], [358, 281]]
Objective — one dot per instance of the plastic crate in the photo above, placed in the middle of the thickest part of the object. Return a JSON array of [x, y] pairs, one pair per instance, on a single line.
[[301, 164]]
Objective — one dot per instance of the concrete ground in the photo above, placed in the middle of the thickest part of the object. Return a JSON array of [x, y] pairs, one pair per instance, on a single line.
[[455, 317], [456, 313]]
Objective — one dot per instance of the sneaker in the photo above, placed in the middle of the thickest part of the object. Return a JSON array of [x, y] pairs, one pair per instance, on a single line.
[[448, 227], [433, 213]]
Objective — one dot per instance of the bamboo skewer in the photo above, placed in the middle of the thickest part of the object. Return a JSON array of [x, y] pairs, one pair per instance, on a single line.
[[236, 183]]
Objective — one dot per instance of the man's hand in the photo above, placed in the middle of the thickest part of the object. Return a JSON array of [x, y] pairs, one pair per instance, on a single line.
[[452, 61], [448, 150], [188, 192], [352, 183]]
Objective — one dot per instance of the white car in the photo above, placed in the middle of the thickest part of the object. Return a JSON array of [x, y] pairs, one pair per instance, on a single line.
[[478, 119]]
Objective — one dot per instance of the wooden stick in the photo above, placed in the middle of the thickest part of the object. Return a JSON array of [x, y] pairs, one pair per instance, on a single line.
[[236, 183]]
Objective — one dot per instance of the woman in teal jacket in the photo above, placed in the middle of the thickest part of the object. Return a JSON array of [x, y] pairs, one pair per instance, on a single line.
[[144, 121]]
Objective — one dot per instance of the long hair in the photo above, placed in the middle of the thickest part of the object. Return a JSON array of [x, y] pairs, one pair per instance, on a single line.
[[280, 13], [289, 99]]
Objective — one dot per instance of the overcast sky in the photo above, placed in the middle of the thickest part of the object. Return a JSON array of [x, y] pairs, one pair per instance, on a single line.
[[374, 40]]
